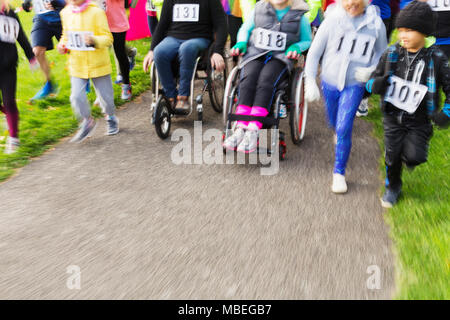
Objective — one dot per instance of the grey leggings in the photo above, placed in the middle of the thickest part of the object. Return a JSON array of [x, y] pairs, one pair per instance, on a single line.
[[105, 93]]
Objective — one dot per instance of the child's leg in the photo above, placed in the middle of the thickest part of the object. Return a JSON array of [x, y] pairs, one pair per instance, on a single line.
[[349, 101], [164, 53], [187, 55], [78, 97], [394, 135], [119, 50], [415, 145], [104, 89], [8, 88], [247, 88], [269, 78], [331, 96]]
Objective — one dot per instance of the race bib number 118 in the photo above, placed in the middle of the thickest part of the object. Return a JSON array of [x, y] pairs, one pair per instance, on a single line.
[[270, 40], [185, 12]]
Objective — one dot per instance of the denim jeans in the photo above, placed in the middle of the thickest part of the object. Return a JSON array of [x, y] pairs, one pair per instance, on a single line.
[[187, 51]]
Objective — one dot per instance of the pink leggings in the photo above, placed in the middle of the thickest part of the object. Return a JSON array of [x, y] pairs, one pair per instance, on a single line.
[[8, 82]]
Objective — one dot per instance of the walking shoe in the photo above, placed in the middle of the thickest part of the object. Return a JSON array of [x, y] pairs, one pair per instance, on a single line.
[[249, 142], [113, 125], [126, 92], [132, 58], [119, 79], [44, 92], [363, 109], [235, 139], [339, 184], [390, 197], [182, 104], [12, 145], [86, 130]]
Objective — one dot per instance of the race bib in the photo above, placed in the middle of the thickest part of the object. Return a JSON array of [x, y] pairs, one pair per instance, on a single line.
[[439, 5], [9, 29], [39, 6], [270, 40], [102, 4], [185, 12], [76, 41], [358, 47], [405, 95], [150, 6]]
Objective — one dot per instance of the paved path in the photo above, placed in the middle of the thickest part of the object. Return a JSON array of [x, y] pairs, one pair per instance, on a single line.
[[139, 226]]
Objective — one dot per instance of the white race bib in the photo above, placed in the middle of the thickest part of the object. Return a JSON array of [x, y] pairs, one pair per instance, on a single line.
[[270, 40], [102, 4], [358, 47], [76, 40], [405, 95], [439, 5], [186, 13], [150, 6], [39, 6], [9, 29]]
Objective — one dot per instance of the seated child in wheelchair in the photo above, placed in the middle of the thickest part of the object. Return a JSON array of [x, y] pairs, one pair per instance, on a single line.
[[272, 37], [184, 30]]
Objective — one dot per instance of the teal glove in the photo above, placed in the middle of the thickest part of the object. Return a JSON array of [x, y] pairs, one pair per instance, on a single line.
[[294, 48], [241, 46]]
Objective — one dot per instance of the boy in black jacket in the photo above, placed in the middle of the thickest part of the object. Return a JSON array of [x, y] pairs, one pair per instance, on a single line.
[[408, 77], [10, 32]]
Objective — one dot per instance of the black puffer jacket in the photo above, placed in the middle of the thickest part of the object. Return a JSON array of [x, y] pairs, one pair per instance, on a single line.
[[8, 51]]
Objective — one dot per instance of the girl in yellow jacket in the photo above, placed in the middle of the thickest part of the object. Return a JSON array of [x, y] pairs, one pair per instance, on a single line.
[[86, 38]]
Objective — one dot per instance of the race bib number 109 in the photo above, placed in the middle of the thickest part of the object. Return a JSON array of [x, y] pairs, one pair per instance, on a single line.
[[185, 12], [439, 5], [358, 47], [270, 40], [76, 41], [405, 95], [9, 29]]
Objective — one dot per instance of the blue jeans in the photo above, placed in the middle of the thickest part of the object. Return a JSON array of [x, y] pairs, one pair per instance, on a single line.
[[341, 110], [187, 51]]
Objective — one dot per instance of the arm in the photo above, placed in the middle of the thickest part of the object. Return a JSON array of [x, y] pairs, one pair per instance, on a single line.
[[220, 26], [163, 24], [316, 50], [104, 37], [378, 81], [247, 27], [23, 40], [247, 6], [442, 118]]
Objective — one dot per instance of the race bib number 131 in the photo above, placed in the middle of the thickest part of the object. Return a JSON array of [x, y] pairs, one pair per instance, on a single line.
[[185, 12], [76, 41], [270, 40], [9, 29], [405, 95]]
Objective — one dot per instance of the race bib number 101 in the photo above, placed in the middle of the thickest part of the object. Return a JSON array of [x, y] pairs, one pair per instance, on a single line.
[[39, 6], [185, 12], [439, 5], [405, 95], [358, 47], [76, 41], [9, 29], [270, 40]]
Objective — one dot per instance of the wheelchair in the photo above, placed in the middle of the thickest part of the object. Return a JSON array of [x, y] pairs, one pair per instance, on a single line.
[[290, 92], [214, 82]]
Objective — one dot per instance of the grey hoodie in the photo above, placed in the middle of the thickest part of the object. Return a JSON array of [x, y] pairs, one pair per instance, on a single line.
[[345, 43]]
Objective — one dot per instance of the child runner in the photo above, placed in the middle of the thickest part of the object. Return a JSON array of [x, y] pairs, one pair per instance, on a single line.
[[86, 37], [186, 28], [408, 77], [10, 32], [263, 66], [46, 25], [350, 42]]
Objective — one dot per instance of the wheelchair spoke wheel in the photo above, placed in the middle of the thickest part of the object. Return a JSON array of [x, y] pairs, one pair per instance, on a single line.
[[216, 85], [162, 118], [299, 111]]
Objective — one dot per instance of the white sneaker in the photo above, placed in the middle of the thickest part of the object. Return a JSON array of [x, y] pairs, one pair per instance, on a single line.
[[363, 109], [250, 142], [126, 92], [12, 145], [339, 184], [235, 139]]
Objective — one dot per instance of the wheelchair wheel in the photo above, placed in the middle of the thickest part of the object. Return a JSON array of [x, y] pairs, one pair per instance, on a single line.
[[216, 88], [299, 109], [162, 118], [230, 95]]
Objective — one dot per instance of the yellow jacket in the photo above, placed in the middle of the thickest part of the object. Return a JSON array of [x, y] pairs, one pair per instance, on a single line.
[[88, 64]]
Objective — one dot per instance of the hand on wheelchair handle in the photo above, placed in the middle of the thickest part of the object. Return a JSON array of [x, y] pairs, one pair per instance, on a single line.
[[148, 61], [293, 52], [217, 62], [312, 92], [239, 48]]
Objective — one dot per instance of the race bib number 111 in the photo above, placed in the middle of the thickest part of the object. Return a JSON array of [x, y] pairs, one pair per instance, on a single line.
[[358, 47], [185, 12]]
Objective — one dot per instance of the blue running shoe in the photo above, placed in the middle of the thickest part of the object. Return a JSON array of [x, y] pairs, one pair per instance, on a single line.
[[44, 92]]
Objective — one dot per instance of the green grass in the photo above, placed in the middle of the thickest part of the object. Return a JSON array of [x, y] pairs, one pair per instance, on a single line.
[[419, 223], [44, 123]]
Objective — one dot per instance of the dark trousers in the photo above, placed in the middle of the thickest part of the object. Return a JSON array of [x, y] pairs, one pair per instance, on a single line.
[[259, 80], [8, 82], [121, 54], [406, 141]]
